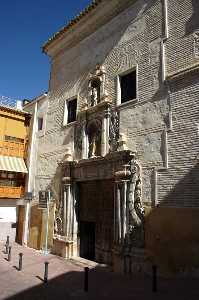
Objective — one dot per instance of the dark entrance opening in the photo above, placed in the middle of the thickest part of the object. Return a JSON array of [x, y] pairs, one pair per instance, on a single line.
[[96, 220], [87, 240]]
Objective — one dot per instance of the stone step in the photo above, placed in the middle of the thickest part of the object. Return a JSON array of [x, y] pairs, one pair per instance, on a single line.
[[89, 263]]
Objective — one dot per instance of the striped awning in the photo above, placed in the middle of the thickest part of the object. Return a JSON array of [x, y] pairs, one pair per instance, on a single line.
[[12, 164]]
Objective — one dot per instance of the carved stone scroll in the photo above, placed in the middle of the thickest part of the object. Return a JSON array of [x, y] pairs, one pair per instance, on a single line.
[[131, 211], [114, 131], [136, 209]]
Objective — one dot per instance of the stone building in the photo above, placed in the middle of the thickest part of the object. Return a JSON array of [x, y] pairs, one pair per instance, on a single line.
[[120, 149], [37, 215]]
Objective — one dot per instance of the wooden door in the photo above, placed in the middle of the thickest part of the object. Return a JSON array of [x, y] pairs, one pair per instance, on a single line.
[[20, 224], [87, 240]]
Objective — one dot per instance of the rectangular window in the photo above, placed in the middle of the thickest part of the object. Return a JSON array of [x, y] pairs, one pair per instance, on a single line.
[[11, 179], [70, 111], [40, 124], [128, 86]]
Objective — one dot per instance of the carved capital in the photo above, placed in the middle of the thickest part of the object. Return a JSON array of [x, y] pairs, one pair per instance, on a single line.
[[122, 175], [66, 180]]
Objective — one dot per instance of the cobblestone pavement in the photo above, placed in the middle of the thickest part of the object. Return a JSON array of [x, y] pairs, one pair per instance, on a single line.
[[66, 281]]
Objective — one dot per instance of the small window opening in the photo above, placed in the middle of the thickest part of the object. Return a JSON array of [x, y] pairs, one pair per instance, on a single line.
[[128, 86], [40, 124], [72, 110]]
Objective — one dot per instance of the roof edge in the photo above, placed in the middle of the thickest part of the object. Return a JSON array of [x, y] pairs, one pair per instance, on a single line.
[[71, 23], [14, 110]]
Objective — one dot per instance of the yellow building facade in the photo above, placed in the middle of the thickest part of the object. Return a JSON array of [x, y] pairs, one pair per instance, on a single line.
[[14, 132]]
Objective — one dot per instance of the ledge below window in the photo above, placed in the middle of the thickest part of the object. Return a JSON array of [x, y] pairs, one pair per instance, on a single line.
[[69, 124], [127, 103]]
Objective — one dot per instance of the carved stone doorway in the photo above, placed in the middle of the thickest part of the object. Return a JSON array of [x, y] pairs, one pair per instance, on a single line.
[[96, 220]]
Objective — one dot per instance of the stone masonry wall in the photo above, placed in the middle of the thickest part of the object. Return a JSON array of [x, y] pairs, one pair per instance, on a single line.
[[131, 39]]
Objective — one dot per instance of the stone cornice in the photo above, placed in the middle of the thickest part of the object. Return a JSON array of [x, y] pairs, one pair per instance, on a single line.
[[85, 26], [95, 109]]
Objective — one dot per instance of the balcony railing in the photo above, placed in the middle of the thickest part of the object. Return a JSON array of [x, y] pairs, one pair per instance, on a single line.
[[11, 192], [8, 148]]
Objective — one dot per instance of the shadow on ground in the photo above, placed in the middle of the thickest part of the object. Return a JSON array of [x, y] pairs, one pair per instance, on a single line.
[[106, 285]]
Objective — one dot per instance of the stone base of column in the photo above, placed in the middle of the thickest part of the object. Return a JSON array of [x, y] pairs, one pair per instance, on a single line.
[[129, 262], [64, 248]]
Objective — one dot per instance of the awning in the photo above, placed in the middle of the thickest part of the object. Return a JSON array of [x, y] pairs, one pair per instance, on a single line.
[[12, 164]]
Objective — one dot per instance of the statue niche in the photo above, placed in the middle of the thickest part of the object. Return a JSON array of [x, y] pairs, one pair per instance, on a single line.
[[96, 86], [94, 129], [95, 92]]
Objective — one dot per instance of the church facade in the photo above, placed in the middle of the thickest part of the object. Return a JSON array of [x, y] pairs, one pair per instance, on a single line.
[[120, 149]]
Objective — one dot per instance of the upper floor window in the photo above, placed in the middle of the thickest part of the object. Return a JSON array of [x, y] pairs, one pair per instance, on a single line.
[[127, 86], [70, 112], [40, 123]]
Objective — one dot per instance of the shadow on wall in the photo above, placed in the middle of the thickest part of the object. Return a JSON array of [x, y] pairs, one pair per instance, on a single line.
[[193, 23], [172, 228]]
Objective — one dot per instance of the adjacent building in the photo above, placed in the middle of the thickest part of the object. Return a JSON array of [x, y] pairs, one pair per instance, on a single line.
[[37, 214], [120, 146], [14, 133]]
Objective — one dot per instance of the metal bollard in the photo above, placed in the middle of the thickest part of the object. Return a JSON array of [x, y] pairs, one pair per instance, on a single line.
[[7, 243], [86, 269], [7, 246], [20, 261], [9, 253], [154, 287], [8, 240], [46, 272]]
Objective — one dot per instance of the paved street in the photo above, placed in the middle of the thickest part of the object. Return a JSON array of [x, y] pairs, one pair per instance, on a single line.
[[66, 281]]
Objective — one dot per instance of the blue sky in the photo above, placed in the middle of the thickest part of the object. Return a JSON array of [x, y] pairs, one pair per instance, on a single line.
[[24, 26]]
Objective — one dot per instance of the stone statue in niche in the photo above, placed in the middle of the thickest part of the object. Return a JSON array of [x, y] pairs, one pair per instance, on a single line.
[[93, 146], [96, 86], [95, 92], [94, 138], [136, 209]]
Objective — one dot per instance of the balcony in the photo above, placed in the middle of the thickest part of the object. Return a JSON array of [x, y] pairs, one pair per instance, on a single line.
[[11, 192], [8, 148]]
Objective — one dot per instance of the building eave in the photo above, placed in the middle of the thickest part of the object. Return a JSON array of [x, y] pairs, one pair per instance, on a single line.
[[85, 24], [74, 21], [14, 110]]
